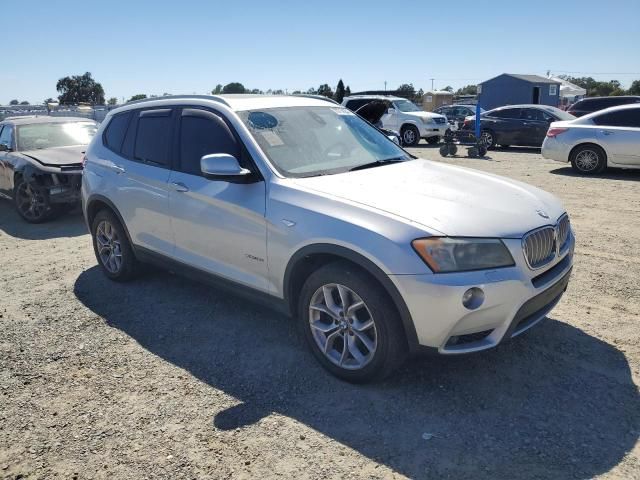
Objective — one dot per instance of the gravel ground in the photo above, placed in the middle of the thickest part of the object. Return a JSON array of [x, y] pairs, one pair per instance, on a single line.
[[166, 378]]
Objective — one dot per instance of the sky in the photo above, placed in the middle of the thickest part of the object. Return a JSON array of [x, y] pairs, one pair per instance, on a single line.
[[190, 46]]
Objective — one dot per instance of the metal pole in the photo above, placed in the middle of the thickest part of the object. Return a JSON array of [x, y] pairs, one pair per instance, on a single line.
[[478, 117]]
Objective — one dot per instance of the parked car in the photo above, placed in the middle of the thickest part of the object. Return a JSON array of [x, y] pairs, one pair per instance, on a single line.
[[41, 163], [295, 200], [457, 113], [593, 104], [405, 117], [609, 137], [523, 125]]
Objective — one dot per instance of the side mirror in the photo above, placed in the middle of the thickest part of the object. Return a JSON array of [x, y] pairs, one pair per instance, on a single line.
[[391, 110], [4, 147], [222, 166]]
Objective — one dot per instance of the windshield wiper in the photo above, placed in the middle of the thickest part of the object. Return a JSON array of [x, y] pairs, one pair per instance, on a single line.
[[378, 163]]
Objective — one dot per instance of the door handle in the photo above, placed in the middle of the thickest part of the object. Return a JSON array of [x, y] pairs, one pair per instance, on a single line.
[[606, 132], [117, 168], [179, 187]]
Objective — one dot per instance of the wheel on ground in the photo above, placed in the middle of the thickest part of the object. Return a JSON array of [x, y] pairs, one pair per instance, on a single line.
[[410, 136], [472, 152], [433, 140], [488, 139], [453, 149], [444, 150], [111, 246], [482, 151], [31, 201], [588, 159], [350, 324]]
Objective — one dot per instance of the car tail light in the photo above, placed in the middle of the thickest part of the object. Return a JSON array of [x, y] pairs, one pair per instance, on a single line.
[[554, 132]]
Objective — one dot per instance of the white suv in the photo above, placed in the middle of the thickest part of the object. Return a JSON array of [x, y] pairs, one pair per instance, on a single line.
[[301, 202], [405, 117]]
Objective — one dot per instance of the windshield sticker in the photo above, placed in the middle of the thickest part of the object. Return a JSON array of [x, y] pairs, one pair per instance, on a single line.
[[343, 111], [272, 138]]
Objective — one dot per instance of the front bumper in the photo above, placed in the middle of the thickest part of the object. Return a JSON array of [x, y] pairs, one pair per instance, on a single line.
[[64, 188], [515, 299], [428, 130]]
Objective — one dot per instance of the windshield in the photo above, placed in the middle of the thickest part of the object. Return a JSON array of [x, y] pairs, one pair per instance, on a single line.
[[406, 106], [309, 141], [38, 136]]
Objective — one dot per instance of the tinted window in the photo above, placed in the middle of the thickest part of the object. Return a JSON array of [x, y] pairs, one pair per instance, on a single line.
[[114, 135], [621, 118], [356, 104], [5, 136], [506, 113], [537, 115], [153, 137], [203, 133]]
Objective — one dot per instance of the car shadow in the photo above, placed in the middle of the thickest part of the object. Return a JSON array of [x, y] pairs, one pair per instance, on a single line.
[[556, 403], [70, 224], [609, 173], [532, 150]]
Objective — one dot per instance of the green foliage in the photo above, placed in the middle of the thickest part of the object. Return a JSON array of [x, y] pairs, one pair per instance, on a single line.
[[347, 91], [467, 90], [80, 89], [112, 101], [597, 88], [340, 91], [49, 100], [139, 96], [312, 91], [217, 90], [14, 102], [407, 90], [24, 102], [233, 87], [635, 88], [448, 88], [325, 90]]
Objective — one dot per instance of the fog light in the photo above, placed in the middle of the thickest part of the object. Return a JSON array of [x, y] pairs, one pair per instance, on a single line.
[[473, 298]]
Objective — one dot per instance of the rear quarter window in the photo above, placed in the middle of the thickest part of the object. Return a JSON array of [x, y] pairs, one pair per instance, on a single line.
[[116, 130]]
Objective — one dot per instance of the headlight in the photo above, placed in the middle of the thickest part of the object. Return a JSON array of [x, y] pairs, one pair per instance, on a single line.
[[447, 254], [427, 120]]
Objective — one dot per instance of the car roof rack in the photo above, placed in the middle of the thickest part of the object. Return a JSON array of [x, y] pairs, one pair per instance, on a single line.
[[316, 97], [177, 97]]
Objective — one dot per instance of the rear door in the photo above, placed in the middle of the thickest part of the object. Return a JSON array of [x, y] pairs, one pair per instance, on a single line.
[[218, 226], [619, 133], [505, 124], [534, 126]]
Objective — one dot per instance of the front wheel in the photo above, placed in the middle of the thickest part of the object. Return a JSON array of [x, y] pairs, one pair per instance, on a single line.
[[410, 136], [111, 247], [31, 202], [588, 159], [350, 324]]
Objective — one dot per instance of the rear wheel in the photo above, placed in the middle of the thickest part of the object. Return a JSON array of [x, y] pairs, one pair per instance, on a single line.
[[350, 324], [31, 201], [444, 150], [588, 159], [410, 136], [488, 138], [112, 248]]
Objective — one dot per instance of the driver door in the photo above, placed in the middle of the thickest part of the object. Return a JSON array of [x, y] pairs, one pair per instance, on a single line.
[[218, 226], [391, 120]]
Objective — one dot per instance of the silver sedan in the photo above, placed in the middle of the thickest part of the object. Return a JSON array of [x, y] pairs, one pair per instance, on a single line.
[[607, 138]]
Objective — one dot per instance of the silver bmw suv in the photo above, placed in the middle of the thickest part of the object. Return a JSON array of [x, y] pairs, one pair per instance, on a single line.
[[375, 253]]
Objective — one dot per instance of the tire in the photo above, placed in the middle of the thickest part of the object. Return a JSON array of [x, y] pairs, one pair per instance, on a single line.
[[371, 352], [489, 138], [453, 149], [472, 152], [482, 151], [112, 248], [588, 159], [433, 140], [410, 136], [444, 150], [31, 201]]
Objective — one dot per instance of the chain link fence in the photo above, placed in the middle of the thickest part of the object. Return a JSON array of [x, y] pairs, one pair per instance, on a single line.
[[97, 113]]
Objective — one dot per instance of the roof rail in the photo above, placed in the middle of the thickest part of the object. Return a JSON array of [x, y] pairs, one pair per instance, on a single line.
[[177, 97], [317, 97]]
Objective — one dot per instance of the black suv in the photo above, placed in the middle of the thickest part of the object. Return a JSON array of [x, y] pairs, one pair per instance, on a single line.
[[593, 104]]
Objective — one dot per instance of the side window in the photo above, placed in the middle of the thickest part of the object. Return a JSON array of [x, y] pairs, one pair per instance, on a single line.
[[6, 136], [114, 134], [203, 133], [153, 137], [507, 113], [354, 105], [622, 118]]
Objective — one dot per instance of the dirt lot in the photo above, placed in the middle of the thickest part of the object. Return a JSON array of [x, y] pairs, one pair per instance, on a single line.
[[165, 378]]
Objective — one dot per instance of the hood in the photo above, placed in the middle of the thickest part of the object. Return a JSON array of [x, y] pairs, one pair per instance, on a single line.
[[57, 157], [453, 200], [373, 111], [424, 114]]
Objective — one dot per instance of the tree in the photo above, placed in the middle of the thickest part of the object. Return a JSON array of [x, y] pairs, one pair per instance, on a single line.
[[139, 96], [112, 101], [406, 90], [217, 90], [24, 102], [419, 95], [256, 91], [49, 100], [233, 87], [634, 89], [347, 91], [312, 91], [467, 90], [80, 88], [325, 91], [340, 91], [14, 102], [448, 88], [296, 92]]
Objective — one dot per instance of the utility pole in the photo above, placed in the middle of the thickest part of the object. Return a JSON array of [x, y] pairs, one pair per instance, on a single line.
[[432, 79], [385, 85]]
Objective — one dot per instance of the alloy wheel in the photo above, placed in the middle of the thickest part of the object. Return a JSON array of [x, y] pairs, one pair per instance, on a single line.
[[587, 160], [342, 326], [109, 247], [486, 138], [409, 136], [31, 201]]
